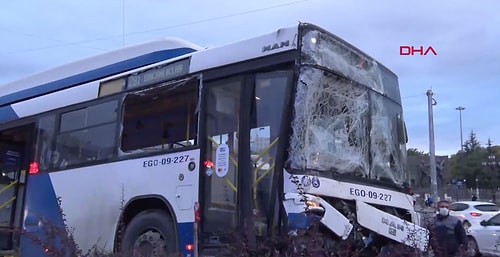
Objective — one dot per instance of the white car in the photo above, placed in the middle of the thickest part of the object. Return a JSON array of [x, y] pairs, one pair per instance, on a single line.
[[473, 212], [484, 238]]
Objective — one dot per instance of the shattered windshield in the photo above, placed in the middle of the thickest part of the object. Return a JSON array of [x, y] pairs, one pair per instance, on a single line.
[[388, 150], [345, 127], [330, 124], [347, 114]]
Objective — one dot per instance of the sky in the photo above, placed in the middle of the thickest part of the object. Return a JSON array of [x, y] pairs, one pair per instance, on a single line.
[[38, 35]]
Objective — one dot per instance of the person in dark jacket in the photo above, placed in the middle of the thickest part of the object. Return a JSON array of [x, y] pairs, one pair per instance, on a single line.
[[447, 235]]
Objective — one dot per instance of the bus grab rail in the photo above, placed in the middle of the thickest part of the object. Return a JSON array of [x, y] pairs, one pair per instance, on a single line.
[[261, 154], [13, 183], [7, 202], [230, 184], [9, 186]]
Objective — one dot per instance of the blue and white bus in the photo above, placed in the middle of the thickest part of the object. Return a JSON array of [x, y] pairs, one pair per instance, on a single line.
[[167, 147]]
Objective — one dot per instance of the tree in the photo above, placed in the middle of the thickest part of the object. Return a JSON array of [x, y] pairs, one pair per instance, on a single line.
[[414, 152], [472, 144], [468, 165]]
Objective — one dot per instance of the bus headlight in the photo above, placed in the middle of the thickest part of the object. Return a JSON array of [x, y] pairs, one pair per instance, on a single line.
[[315, 208], [312, 204]]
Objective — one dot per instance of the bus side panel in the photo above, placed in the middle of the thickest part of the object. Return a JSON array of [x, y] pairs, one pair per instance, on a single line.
[[91, 196], [40, 204]]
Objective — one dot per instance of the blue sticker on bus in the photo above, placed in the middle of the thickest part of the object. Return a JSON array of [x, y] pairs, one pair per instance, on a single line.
[[315, 182], [306, 181]]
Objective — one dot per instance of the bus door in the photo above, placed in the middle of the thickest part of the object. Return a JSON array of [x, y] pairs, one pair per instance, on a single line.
[[219, 173], [267, 147], [230, 190], [14, 162]]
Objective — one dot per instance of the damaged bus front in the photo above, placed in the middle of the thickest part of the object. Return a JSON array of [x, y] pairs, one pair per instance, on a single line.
[[347, 154]]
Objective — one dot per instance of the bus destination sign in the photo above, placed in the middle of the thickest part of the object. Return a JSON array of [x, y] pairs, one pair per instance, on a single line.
[[159, 74]]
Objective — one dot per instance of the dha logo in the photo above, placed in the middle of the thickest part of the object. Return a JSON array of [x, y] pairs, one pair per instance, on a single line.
[[412, 50]]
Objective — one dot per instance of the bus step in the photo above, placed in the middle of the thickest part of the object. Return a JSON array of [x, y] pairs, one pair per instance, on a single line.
[[9, 253], [203, 254], [212, 251]]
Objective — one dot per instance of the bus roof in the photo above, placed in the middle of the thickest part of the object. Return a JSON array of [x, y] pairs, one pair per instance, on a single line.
[[134, 57], [79, 81], [92, 68]]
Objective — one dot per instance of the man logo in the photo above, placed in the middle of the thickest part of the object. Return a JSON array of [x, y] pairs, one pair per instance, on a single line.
[[275, 46]]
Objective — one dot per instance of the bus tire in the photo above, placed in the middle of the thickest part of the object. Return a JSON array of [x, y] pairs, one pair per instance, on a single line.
[[150, 233]]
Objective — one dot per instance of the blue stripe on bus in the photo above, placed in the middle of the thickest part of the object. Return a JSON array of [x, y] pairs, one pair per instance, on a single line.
[[186, 236], [7, 114], [41, 204], [95, 74]]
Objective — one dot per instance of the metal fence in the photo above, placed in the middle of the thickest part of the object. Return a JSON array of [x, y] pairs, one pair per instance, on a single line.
[[454, 193]]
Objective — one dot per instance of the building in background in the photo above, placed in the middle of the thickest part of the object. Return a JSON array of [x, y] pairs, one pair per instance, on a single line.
[[419, 169]]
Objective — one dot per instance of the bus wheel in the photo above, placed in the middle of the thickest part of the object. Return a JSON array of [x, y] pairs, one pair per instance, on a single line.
[[149, 234]]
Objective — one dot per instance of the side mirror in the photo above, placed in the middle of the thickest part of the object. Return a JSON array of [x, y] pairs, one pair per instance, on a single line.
[[406, 133], [402, 133], [483, 223]]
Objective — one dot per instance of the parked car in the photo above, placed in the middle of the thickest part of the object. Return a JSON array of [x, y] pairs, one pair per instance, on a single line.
[[473, 212], [484, 238]]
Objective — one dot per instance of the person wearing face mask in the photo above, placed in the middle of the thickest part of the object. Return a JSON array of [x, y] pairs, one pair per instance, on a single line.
[[447, 235]]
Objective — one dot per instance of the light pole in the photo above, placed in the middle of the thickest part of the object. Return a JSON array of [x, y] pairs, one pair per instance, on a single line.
[[477, 188], [432, 156], [460, 109], [465, 185]]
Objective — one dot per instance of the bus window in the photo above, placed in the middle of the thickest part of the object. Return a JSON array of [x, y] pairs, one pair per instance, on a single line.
[[160, 118], [46, 129], [89, 116], [86, 135]]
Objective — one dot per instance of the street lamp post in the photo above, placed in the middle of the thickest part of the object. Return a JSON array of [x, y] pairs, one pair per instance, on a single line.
[[432, 156], [465, 185], [460, 109], [477, 188]]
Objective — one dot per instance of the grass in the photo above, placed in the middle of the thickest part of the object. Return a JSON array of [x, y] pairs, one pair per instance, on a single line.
[[59, 242]]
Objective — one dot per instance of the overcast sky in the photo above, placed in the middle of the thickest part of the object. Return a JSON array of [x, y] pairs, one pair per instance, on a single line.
[[37, 35]]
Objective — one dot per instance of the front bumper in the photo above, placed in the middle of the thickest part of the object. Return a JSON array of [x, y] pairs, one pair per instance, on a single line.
[[367, 216]]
